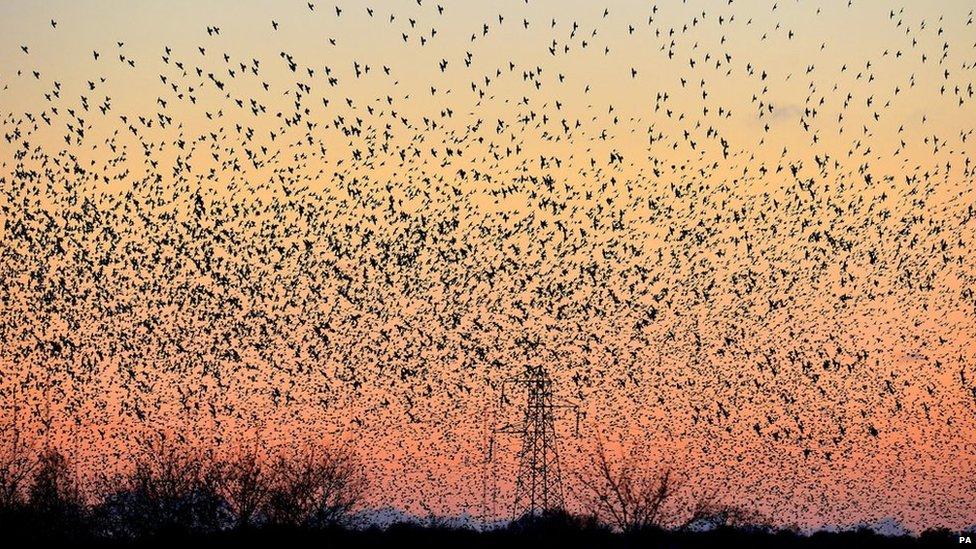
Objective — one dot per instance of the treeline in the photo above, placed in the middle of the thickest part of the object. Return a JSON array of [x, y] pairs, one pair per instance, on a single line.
[[171, 493]]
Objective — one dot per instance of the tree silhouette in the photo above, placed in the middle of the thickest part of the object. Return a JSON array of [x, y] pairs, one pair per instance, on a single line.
[[246, 484], [316, 488], [17, 464], [171, 491], [625, 499], [54, 498]]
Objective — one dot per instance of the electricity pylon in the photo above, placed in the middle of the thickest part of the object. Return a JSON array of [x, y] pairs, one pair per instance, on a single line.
[[538, 483]]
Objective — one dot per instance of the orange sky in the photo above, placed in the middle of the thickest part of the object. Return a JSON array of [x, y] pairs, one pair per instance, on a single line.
[[748, 324]]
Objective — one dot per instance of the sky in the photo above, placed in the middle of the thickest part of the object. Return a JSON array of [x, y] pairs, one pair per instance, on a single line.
[[738, 235]]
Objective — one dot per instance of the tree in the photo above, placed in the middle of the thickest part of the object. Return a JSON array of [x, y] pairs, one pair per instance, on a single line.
[[622, 497], [17, 464], [54, 498], [169, 491], [246, 486], [316, 488]]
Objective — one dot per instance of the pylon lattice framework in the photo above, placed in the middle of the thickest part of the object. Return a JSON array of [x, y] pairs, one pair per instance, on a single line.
[[538, 483]]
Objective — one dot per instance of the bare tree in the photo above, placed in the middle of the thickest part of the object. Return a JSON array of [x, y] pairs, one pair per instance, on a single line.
[[53, 483], [623, 497], [318, 487], [169, 490], [17, 463], [15, 469], [54, 497], [246, 486]]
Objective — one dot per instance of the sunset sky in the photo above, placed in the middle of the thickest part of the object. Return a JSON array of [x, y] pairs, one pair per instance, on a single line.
[[738, 234]]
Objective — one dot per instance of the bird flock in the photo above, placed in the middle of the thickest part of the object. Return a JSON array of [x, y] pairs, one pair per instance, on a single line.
[[738, 234]]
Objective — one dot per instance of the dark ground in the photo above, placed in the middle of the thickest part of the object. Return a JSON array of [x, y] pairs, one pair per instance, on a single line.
[[412, 535]]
